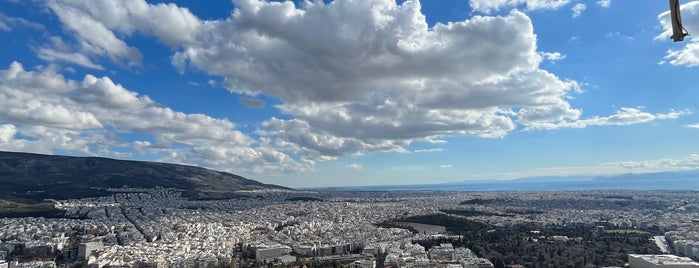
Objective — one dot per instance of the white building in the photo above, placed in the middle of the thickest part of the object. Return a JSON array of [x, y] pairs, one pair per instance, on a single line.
[[371, 250], [363, 264], [476, 263], [666, 261], [85, 250], [305, 250]]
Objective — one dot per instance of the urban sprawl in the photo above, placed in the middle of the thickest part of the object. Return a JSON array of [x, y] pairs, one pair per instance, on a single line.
[[276, 228]]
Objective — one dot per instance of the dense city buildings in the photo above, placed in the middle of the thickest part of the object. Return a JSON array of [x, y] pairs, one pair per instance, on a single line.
[[162, 228]]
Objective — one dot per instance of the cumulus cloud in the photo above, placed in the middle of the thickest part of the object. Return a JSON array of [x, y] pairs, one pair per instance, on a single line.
[[689, 54], [99, 26], [94, 115], [578, 9], [361, 76], [297, 136], [495, 5], [693, 126], [414, 82], [604, 3], [20, 105]]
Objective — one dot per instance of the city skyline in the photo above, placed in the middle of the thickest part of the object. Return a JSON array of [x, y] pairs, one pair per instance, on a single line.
[[348, 93]]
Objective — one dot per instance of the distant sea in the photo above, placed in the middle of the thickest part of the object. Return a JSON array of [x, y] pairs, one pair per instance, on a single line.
[[544, 185]]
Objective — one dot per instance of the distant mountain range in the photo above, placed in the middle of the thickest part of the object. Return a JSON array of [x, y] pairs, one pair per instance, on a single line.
[[673, 180], [37, 177]]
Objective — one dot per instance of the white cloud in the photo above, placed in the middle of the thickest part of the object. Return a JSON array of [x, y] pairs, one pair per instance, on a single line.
[[495, 5], [99, 26], [392, 43], [689, 54], [19, 98], [52, 55], [604, 3], [355, 166], [431, 150], [7, 131], [667, 164], [298, 136], [445, 166], [578, 9], [94, 115], [552, 56], [625, 116], [693, 126], [7, 22], [408, 167]]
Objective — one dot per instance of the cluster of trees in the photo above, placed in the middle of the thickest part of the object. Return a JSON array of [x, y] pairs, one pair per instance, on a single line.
[[519, 245], [28, 208], [453, 224], [508, 212]]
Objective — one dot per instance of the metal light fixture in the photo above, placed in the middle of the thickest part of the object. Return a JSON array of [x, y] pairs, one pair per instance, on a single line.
[[678, 32]]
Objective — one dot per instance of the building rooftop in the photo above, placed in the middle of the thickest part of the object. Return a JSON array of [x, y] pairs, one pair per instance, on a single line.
[[666, 259]]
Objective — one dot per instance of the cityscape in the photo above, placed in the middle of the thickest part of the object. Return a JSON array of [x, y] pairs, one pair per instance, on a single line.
[[349, 134], [158, 227]]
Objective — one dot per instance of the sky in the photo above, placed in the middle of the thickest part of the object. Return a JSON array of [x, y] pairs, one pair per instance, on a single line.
[[355, 92]]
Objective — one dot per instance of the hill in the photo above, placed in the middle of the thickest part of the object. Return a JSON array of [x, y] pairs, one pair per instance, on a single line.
[[37, 177]]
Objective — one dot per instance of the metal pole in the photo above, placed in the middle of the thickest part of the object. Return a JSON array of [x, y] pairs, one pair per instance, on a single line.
[[678, 32]]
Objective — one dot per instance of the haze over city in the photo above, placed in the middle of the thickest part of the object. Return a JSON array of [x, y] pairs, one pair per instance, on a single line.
[[355, 92]]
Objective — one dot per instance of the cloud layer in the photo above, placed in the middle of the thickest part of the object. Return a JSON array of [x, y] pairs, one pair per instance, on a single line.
[[353, 76], [359, 76], [43, 111], [689, 162]]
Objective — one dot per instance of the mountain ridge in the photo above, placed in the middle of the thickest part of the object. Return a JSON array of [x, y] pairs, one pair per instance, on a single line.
[[39, 176], [666, 180]]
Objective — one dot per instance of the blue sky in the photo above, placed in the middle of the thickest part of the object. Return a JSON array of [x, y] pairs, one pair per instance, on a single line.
[[350, 92]]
